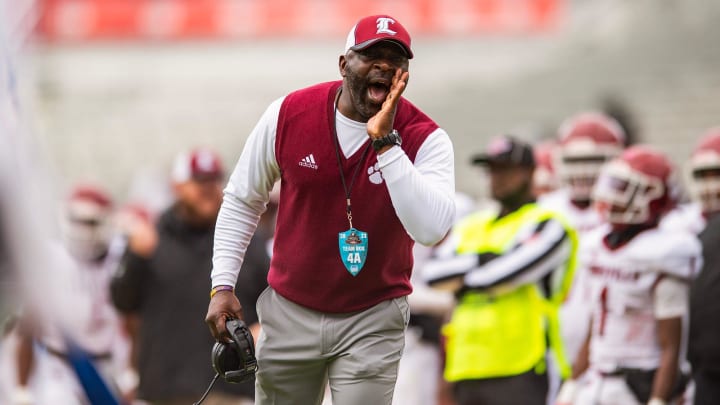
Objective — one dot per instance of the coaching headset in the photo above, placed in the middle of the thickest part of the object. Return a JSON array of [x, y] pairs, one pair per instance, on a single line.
[[234, 361]]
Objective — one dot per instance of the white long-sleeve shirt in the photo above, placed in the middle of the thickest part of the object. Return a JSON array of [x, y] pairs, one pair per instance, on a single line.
[[421, 192]]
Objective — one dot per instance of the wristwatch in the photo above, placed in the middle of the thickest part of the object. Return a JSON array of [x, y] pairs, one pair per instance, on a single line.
[[393, 138]]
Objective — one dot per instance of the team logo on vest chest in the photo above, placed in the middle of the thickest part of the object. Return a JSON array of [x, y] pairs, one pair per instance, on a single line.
[[309, 162], [374, 174]]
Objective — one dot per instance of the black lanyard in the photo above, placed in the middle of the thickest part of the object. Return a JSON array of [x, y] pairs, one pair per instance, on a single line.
[[339, 161]]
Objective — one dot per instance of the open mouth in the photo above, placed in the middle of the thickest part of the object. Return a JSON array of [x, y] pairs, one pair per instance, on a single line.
[[378, 90]]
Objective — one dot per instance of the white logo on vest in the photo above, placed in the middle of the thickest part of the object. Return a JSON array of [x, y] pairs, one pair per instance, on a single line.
[[309, 162], [374, 174], [382, 26]]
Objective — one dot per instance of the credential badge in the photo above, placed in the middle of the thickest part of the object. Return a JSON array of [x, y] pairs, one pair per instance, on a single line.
[[353, 246]]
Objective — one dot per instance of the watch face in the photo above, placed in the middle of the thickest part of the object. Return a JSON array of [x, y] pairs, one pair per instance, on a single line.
[[396, 137], [393, 138]]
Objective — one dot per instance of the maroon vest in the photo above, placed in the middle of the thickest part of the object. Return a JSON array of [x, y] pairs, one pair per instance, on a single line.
[[306, 266]]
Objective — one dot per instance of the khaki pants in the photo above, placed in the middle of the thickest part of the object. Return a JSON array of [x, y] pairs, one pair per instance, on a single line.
[[301, 350]]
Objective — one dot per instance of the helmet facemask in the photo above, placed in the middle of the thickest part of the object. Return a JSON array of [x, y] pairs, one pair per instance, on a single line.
[[628, 197], [587, 141], [706, 189], [705, 182], [580, 165], [86, 229]]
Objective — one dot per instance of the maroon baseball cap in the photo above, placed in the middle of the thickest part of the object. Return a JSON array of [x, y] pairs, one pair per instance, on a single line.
[[93, 194], [375, 28], [198, 164]]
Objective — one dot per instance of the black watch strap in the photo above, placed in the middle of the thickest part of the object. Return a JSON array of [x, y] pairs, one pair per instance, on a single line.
[[393, 138]]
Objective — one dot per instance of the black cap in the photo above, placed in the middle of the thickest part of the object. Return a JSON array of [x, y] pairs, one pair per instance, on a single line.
[[506, 149]]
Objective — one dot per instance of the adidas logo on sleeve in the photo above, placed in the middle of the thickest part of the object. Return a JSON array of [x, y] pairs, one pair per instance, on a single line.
[[308, 161]]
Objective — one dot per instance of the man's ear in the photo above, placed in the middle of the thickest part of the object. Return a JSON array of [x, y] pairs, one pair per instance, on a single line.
[[529, 173], [342, 65], [177, 188]]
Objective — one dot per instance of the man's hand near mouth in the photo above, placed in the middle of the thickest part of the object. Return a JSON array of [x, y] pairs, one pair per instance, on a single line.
[[381, 123]]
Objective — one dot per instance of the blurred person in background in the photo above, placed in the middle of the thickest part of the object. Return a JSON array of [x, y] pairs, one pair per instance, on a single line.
[[703, 170], [545, 179], [704, 333], [364, 174], [511, 271], [639, 275], [704, 336], [159, 287], [586, 142], [703, 181], [92, 251], [420, 369]]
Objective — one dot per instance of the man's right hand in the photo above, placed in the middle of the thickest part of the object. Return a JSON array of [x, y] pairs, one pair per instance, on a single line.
[[224, 305], [143, 238], [567, 393]]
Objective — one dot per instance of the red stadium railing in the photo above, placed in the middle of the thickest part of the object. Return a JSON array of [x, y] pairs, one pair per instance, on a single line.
[[83, 20]]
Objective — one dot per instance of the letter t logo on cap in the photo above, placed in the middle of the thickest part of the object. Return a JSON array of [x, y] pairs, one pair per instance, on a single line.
[[383, 26], [375, 28]]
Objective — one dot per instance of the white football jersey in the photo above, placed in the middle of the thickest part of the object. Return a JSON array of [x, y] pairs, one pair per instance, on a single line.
[[92, 321], [575, 311], [687, 217], [626, 299], [583, 220]]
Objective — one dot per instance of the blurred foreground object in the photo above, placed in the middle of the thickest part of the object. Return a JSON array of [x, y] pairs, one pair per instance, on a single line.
[[73, 359], [164, 281]]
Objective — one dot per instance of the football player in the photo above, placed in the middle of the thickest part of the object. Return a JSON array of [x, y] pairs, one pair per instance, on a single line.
[[704, 303], [586, 142], [639, 275], [705, 170], [89, 256], [704, 185]]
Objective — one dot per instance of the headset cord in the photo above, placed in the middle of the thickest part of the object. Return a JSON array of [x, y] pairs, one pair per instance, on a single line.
[[208, 389]]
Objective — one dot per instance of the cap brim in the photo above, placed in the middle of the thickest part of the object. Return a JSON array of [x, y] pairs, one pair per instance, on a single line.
[[486, 160], [371, 42], [480, 160]]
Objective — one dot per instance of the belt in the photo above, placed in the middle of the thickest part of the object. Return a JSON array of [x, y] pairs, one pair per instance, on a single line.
[[91, 356], [614, 373]]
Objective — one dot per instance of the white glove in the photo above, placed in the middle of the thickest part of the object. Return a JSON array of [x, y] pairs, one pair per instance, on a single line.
[[21, 396], [127, 380], [567, 393]]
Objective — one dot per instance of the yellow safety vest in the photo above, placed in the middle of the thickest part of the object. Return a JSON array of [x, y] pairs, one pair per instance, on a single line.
[[506, 333]]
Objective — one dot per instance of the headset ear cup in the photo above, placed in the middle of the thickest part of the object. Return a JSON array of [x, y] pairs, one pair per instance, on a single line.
[[235, 361], [225, 358], [218, 352]]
